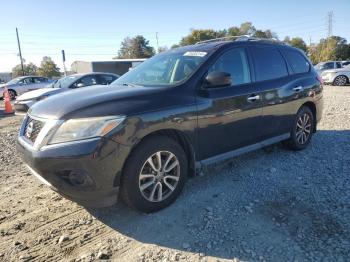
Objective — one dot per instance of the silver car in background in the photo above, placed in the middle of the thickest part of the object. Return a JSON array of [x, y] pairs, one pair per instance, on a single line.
[[328, 65], [23, 84], [337, 77], [25, 101]]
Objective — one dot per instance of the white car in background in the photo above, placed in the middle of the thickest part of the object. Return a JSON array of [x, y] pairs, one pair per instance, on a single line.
[[337, 77]]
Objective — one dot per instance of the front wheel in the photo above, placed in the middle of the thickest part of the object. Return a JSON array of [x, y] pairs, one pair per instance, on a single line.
[[154, 174], [302, 129]]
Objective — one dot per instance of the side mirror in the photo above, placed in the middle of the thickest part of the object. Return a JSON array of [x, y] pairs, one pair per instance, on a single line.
[[218, 79], [80, 85]]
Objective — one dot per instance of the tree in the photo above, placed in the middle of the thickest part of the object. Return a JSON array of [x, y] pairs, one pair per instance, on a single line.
[[247, 28], [264, 34], [136, 47], [162, 49], [296, 42], [29, 69], [198, 35], [48, 68]]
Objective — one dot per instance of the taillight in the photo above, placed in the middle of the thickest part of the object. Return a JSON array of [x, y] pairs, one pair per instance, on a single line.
[[320, 79]]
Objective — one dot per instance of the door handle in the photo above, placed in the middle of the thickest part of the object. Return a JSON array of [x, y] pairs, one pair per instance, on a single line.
[[298, 88], [253, 98]]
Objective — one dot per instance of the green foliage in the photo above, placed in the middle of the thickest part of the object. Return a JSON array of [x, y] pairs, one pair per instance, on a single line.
[[297, 42], [247, 28], [332, 48], [136, 47], [197, 35], [48, 68], [29, 69]]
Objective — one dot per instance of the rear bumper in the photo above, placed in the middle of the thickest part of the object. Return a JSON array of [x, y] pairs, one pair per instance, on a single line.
[[86, 172]]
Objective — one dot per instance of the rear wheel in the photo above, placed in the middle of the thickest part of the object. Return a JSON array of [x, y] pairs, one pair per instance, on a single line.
[[302, 130], [154, 174], [340, 81]]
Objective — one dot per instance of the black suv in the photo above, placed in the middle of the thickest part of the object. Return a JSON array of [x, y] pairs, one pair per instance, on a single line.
[[163, 120]]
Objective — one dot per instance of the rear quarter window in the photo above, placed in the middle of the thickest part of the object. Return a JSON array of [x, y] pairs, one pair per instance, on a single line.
[[297, 61], [268, 63]]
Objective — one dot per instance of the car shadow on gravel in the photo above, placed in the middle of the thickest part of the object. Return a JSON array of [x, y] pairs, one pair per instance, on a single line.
[[251, 210]]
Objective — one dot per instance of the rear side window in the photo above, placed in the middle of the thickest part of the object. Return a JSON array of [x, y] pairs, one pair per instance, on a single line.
[[234, 62], [40, 79], [269, 63], [297, 61], [106, 79]]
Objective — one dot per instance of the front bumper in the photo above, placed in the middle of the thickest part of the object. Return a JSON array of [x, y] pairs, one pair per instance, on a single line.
[[327, 79], [23, 106], [87, 172]]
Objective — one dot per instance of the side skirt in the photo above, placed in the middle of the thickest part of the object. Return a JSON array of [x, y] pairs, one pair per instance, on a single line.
[[240, 151]]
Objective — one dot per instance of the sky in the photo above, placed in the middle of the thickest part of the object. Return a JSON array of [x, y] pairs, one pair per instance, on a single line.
[[93, 30]]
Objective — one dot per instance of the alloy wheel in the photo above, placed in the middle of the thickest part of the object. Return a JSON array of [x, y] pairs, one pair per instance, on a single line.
[[340, 81], [303, 130], [159, 176]]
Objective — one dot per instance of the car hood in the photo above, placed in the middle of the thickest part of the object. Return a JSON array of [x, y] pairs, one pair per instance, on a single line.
[[37, 93], [92, 101]]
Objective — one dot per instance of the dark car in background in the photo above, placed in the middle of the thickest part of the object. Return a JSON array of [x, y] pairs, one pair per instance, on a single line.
[[64, 84], [176, 112]]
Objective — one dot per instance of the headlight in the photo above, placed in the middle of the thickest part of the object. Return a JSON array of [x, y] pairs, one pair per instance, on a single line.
[[83, 128]]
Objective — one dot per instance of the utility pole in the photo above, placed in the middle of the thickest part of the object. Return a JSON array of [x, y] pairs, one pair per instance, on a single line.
[[157, 42], [330, 23], [64, 62], [19, 50]]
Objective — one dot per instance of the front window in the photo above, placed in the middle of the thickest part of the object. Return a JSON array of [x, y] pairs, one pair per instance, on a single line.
[[65, 82], [165, 69]]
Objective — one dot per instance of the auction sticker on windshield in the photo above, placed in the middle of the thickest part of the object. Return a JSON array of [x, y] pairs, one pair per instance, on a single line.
[[192, 53]]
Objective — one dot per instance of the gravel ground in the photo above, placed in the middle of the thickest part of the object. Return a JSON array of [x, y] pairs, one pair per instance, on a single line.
[[269, 205]]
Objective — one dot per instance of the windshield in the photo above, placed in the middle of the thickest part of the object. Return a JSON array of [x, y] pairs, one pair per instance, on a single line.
[[65, 82], [14, 81], [164, 69]]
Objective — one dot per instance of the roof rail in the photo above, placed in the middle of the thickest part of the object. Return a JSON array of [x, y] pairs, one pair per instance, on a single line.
[[242, 38], [225, 38]]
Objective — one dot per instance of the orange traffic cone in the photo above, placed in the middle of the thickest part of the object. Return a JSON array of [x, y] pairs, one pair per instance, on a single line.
[[8, 106]]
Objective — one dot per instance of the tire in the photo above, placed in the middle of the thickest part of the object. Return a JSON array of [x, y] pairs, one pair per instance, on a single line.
[[136, 191], [302, 129], [340, 80], [12, 94]]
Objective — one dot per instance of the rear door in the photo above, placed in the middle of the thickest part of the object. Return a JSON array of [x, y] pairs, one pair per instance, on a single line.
[[282, 84], [229, 117], [271, 75]]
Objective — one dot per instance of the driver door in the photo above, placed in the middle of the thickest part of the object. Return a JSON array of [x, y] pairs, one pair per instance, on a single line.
[[229, 117]]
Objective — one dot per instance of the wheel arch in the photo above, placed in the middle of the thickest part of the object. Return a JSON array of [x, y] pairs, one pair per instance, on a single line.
[[177, 135], [313, 109], [340, 74]]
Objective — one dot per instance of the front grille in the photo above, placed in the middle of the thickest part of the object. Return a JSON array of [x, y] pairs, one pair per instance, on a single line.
[[32, 128]]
